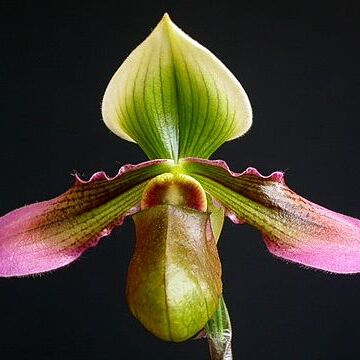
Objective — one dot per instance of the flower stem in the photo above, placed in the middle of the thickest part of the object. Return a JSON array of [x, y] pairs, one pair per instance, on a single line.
[[219, 334]]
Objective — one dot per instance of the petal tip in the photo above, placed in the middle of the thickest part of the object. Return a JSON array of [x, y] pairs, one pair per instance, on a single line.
[[47, 235], [295, 229]]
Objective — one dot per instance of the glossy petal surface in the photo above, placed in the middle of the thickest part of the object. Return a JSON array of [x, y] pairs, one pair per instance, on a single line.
[[174, 98], [174, 278], [50, 234], [293, 227]]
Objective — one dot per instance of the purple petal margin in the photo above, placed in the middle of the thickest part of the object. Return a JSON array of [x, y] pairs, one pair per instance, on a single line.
[[294, 228], [50, 234]]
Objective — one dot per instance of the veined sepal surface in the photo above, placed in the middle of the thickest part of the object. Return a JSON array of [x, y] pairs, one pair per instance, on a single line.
[[174, 98]]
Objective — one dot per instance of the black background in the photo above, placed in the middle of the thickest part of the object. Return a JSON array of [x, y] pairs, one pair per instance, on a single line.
[[299, 64]]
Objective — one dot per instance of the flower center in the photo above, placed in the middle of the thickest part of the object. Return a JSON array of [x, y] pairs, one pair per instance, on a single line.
[[174, 189]]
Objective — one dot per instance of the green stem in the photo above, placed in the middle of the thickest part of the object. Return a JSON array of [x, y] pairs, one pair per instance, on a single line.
[[218, 332]]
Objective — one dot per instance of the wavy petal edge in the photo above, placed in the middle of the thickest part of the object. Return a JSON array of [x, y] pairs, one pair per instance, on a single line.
[[50, 234], [294, 229]]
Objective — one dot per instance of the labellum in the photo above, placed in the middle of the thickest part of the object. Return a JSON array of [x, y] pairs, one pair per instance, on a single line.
[[174, 278]]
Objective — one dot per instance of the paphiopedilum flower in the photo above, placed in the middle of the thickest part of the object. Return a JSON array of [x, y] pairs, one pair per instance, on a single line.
[[179, 103]]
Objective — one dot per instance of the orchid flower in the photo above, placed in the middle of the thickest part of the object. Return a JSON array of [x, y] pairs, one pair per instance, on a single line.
[[179, 103]]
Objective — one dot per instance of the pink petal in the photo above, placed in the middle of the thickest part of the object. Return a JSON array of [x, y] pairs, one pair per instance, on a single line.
[[333, 244], [50, 234], [294, 228]]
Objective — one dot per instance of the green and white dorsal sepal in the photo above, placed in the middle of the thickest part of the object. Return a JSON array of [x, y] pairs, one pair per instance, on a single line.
[[174, 98]]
